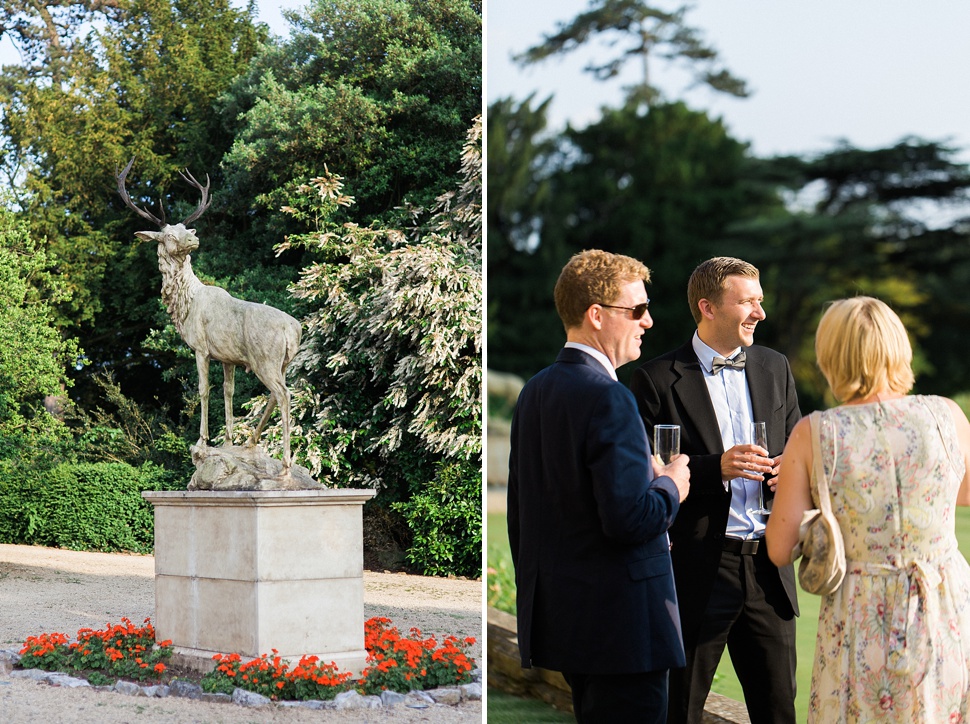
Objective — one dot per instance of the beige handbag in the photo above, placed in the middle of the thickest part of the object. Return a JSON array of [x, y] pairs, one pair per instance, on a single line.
[[820, 544]]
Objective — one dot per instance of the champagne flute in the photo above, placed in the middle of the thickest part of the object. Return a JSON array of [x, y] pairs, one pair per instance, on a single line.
[[759, 436], [666, 442]]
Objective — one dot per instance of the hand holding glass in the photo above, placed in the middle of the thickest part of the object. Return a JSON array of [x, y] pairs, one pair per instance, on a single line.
[[759, 436], [666, 442]]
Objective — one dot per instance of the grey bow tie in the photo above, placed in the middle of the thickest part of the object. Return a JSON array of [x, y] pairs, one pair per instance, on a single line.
[[737, 362]]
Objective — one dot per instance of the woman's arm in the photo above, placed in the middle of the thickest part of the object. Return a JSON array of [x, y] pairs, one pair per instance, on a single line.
[[792, 496]]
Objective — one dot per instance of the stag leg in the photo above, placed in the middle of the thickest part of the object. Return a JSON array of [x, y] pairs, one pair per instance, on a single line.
[[279, 395], [202, 363], [270, 404], [284, 403], [229, 383]]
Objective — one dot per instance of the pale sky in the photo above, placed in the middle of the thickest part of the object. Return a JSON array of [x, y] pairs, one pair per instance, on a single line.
[[869, 71], [271, 13]]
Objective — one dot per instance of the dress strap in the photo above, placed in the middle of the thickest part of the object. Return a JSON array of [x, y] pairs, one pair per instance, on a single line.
[[940, 427]]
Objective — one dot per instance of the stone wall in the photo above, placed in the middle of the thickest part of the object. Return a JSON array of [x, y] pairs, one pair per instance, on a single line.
[[497, 449]]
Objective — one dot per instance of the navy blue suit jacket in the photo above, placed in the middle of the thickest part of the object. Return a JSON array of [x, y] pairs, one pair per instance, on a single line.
[[587, 527]]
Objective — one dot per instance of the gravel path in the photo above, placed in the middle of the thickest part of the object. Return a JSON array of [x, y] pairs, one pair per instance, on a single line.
[[43, 590]]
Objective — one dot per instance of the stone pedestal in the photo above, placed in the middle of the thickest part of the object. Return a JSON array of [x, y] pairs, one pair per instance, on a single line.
[[251, 571]]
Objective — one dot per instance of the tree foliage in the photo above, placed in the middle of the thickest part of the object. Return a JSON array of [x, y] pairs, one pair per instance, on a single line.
[[389, 374], [520, 156], [875, 222], [643, 31], [34, 356], [381, 89]]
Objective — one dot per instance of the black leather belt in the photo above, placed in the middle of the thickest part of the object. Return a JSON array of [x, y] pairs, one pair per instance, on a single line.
[[741, 547]]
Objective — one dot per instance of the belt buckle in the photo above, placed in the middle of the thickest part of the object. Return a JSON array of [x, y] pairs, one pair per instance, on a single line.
[[742, 547]]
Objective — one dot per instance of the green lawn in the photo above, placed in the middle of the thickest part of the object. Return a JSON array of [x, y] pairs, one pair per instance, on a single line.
[[507, 709], [726, 682]]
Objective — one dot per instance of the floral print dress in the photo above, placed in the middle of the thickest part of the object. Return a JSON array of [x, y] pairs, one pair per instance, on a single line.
[[894, 641]]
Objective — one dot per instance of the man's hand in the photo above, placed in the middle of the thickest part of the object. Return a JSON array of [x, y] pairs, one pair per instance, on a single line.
[[773, 482], [677, 471], [747, 461]]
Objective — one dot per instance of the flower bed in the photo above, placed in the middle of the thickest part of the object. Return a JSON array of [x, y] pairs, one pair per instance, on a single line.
[[394, 662], [121, 651]]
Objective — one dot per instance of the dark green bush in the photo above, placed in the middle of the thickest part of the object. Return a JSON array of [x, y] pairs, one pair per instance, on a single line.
[[445, 518], [81, 506]]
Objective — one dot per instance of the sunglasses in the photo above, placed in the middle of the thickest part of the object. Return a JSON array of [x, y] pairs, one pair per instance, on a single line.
[[638, 311]]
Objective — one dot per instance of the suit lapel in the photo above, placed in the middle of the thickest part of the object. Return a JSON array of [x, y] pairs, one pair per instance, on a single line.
[[759, 385], [691, 388]]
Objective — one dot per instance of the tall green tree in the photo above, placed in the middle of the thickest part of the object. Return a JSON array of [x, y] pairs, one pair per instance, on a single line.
[[643, 32], [520, 152], [875, 222], [380, 89], [34, 356]]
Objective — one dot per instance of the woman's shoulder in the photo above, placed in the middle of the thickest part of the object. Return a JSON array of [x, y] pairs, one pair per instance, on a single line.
[[936, 401]]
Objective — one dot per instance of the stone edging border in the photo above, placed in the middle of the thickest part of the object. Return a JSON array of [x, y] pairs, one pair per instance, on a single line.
[[450, 696]]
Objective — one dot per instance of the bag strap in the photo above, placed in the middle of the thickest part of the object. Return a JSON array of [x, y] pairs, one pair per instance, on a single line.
[[821, 484]]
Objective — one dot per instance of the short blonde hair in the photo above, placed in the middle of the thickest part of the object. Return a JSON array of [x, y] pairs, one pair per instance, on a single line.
[[593, 277], [861, 347], [708, 280]]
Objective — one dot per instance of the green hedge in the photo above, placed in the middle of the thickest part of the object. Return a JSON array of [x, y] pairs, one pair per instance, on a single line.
[[81, 506], [445, 519]]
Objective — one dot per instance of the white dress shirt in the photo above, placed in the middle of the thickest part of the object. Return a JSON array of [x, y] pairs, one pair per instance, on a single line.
[[731, 398]]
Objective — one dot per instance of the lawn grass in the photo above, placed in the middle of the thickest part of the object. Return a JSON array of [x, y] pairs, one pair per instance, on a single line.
[[507, 709], [726, 683]]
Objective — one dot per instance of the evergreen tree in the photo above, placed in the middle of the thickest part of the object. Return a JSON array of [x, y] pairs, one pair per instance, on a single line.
[[34, 356]]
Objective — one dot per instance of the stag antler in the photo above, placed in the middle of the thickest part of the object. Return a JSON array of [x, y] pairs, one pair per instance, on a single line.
[[204, 204], [137, 209]]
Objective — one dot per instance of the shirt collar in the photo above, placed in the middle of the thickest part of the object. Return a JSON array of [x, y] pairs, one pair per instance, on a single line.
[[595, 354], [706, 355]]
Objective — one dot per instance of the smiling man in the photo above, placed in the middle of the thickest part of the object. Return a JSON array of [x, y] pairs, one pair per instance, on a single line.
[[715, 386], [589, 508]]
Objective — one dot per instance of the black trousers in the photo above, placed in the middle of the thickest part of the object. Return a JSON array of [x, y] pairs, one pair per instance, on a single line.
[[749, 612], [613, 698]]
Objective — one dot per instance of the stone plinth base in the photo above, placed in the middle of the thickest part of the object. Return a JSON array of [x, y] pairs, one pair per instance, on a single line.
[[251, 571]]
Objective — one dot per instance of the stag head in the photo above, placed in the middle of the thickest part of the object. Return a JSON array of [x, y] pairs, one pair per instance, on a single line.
[[185, 237]]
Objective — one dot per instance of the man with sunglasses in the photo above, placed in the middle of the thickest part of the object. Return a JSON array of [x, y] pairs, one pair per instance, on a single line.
[[715, 386], [589, 508]]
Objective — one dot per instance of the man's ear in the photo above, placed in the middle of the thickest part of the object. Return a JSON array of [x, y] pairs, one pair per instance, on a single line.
[[594, 316], [706, 308], [148, 235]]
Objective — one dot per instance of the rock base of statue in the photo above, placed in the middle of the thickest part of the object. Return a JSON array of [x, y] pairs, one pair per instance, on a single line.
[[245, 467], [248, 572]]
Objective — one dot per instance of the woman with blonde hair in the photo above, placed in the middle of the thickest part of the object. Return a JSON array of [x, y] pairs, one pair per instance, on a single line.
[[894, 640]]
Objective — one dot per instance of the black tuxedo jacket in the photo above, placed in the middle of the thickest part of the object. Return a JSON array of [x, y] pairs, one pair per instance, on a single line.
[[587, 527], [671, 390]]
